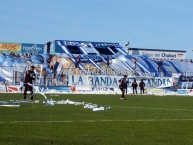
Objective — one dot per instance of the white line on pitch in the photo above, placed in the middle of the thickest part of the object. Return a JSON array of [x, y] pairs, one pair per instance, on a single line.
[[90, 121], [153, 108]]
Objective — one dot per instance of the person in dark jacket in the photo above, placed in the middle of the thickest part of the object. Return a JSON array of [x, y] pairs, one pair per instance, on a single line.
[[108, 61], [142, 86], [122, 86], [48, 44], [134, 86], [77, 61], [28, 82]]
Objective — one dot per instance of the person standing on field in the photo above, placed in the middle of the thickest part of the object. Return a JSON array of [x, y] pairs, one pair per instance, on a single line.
[[134, 85], [142, 86], [122, 85], [28, 82]]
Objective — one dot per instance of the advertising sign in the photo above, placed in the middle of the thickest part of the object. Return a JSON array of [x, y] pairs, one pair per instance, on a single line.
[[59, 46], [10, 47], [13, 89], [86, 45], [181, 91], [158, 54], [56, 89], [105, 44], [34, 48], [2, 88], [186, 78]]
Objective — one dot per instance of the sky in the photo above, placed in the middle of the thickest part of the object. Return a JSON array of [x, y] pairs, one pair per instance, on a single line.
[[156, 24]]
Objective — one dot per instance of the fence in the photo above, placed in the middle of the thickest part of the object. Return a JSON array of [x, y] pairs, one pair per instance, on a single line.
[[15, 74]]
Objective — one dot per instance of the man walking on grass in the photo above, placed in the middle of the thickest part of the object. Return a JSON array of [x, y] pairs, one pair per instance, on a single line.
[[122, 86]]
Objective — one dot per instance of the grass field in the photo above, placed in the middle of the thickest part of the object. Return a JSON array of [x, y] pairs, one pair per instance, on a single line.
[[139, 120]]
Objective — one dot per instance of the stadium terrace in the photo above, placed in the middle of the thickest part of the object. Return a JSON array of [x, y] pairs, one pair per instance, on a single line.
[[57, 66]]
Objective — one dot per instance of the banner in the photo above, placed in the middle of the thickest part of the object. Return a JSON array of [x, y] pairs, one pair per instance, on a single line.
[[89, 47], [105, 44], [181, 91], [158, 53], [2, 88], [32, 48], [112, 81], [186, 78], [10, 47], [13, 89], [55, 89]]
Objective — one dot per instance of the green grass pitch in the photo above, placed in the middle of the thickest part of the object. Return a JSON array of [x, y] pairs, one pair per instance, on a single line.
[[139, 120]]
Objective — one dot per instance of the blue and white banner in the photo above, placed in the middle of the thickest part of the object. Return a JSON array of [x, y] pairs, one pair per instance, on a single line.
[[112, 81], [181, 91], [32, 48], [186, 78], [88, 46], [105, 44], [55, 89]]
